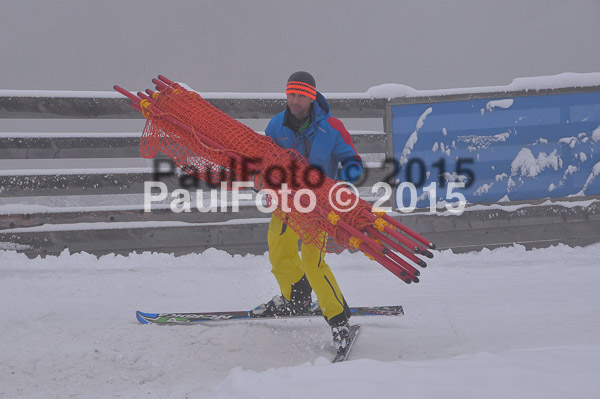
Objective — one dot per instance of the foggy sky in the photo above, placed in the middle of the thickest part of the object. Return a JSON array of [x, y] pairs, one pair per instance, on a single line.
[[253, 46]]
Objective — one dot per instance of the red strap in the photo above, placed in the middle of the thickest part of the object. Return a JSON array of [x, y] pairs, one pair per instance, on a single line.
[[339, 126]]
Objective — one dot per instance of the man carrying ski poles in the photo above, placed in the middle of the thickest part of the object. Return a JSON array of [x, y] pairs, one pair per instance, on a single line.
[[306, 125]]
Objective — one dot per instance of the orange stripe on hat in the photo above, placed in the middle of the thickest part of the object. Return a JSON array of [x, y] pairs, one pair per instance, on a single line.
[[310, 91], [307, 85], [301, 88]]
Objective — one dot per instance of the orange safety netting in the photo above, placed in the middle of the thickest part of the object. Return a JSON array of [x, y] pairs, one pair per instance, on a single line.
[[277, 165], [210, 145]]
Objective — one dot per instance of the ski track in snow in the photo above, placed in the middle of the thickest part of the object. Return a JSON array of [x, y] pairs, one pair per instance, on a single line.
[[494, 324]]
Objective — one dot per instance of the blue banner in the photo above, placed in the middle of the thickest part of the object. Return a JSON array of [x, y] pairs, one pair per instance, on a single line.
[[512, 148]]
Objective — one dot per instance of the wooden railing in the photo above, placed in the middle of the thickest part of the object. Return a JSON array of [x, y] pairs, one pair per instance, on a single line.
[[46, 229], [118, 228]]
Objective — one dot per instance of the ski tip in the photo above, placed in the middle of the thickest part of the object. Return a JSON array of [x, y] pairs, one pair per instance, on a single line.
[[141, 317]]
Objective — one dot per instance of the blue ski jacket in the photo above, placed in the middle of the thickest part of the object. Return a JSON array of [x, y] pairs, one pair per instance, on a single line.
[[325, 143]]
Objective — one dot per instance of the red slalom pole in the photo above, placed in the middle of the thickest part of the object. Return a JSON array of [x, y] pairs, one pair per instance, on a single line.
[[159, 85], [404, 264], [409, 243], [413, 246], [127, 94], [400, 263], [166, 80], [408, 231], [378, 235], [388, 264], [368, 240]]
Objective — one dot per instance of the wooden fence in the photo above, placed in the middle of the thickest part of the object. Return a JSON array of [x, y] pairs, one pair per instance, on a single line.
[[121, 229]]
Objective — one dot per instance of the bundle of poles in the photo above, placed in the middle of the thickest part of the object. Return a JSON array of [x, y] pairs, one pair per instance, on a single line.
[[384, 239]]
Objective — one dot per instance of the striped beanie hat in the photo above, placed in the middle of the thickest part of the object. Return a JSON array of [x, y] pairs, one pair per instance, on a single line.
[[302, 83]]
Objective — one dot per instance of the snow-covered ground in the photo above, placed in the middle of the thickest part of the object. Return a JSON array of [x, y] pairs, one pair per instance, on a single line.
[[506, 323]]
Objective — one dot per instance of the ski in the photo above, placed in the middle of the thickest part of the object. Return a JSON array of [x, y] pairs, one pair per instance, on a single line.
[[202, 317], [342, 356]]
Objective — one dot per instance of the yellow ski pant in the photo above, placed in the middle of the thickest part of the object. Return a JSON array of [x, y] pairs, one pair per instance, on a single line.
[[288, 267]]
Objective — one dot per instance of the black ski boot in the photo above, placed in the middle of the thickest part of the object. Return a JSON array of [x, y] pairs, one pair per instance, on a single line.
[[341, 335], [340, 329], [299, 304]]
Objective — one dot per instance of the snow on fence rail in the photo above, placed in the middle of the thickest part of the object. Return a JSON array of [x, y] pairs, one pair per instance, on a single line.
[[47, 229]]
